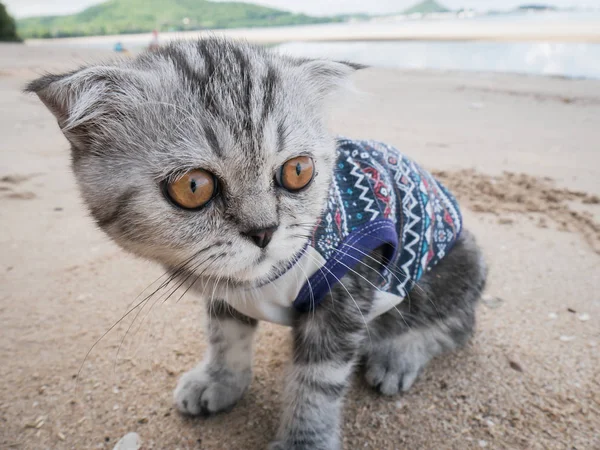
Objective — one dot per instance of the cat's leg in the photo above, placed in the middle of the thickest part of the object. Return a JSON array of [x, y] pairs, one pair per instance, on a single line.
[[220, 380], [326, 345], [438, 316]]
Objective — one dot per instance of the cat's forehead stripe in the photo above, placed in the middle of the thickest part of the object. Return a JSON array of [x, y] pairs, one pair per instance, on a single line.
[[281, 136], [269, 84], [181, 63], [212, 140]]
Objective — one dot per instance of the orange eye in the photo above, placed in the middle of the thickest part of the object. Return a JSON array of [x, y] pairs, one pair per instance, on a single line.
[[193, 190], [296, 173]]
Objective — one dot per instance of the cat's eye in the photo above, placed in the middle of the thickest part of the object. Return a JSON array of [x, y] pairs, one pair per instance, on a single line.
[[192, 190], [296, 173]]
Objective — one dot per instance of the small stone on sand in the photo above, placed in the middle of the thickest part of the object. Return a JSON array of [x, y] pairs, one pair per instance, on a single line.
[[567, 338], [492, 302], [515, 366], [584, 317], [131, 441]]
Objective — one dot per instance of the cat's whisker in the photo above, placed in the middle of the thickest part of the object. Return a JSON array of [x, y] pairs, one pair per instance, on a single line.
[[123, 317], [175, 275], [369, 282], [210, 304], [368, 256], [210, 301], [227, 280], [312, 296], [349, 294], [213, 258], [369, 267], [375, 287], [414, 284], [320, 268], [215, 285], [392, 272], [198, 276], [166, 273]]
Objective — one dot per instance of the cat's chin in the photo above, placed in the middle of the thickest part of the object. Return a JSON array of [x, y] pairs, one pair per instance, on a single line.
[[263, 270]]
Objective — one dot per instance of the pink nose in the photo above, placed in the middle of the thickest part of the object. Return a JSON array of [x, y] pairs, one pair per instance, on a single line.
[[261, 237]]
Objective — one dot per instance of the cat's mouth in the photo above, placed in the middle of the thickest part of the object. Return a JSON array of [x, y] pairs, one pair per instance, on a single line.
[[281, 268], [270, 273]]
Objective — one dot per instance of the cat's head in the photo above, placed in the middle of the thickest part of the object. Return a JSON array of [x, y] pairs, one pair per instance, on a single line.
[[210, 154]]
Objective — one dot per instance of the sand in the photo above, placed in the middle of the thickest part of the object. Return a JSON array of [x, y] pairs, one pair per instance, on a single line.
[[521, 154]]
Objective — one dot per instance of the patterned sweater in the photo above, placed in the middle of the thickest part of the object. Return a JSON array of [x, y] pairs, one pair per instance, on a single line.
[[378, 198]]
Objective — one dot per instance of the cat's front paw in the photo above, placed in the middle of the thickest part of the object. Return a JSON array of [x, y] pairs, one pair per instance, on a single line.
[[391, 369], [280, 445], [207, 390]]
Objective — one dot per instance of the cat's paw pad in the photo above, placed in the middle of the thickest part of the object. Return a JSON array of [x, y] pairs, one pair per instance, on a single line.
[[202, 392], [392, 371]]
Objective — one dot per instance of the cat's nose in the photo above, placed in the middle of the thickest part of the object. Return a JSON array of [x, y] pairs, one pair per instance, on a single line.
[[261, 237]]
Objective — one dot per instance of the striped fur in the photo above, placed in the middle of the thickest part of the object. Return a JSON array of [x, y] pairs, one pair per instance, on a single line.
[[240, 111]]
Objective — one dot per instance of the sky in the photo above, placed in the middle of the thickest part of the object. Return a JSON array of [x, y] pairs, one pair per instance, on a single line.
[[23, 8]]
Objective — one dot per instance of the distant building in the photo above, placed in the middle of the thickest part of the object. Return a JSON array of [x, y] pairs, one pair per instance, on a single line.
[[534, 7]]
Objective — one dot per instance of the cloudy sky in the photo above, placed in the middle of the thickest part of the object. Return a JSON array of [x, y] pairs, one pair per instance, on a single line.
[[21, 8]]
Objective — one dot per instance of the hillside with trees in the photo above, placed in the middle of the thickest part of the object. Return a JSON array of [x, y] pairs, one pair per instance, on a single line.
[[8, 29], [426, 7], [138, 16]]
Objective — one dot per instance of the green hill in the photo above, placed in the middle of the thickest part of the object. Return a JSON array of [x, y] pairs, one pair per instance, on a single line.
[[138, 16], [426, 7], [8, 31]]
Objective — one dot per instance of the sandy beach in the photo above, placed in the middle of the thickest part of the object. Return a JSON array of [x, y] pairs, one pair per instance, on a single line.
[[522, 154]]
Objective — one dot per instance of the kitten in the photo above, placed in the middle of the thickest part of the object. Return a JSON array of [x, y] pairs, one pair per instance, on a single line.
[[212, 158]]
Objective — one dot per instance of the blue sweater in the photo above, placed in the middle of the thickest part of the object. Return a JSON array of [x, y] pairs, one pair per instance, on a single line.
[[380, 198]]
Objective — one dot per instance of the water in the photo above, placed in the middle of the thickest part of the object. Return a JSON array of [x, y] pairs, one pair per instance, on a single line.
[[574, 60], [566, 59], [552, 58]]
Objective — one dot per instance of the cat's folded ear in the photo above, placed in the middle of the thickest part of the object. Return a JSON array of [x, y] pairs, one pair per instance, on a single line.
[[326, 76], [80, 98]]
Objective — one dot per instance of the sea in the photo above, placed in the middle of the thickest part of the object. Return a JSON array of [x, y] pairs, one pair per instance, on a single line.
[[571, 58]]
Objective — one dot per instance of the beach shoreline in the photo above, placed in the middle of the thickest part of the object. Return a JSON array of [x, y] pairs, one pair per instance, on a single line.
[[409, 30], [559, 45], [519, 152]]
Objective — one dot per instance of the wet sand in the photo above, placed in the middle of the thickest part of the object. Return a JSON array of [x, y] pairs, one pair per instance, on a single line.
[[520, 153]]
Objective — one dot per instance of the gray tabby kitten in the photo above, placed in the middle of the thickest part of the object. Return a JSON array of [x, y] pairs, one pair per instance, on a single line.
[[239, 112]]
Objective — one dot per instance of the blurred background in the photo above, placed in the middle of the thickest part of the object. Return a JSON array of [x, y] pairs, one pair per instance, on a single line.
[[500, 99], [557, 37]]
